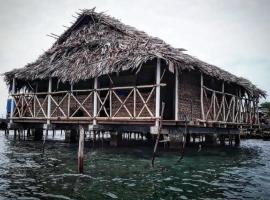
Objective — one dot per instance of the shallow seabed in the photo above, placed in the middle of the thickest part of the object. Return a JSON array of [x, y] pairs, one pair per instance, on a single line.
[[125, 173]]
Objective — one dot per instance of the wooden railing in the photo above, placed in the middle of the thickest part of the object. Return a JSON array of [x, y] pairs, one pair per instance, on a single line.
[[113, 103], [227, 108]]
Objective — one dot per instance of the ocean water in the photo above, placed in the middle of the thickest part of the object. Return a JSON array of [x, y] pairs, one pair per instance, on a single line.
[[126, 173]]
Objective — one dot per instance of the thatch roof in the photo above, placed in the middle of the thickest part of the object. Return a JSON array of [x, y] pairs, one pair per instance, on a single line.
[[98, 44]]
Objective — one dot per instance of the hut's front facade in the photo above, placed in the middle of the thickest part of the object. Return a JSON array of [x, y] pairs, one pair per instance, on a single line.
[[109, 76]]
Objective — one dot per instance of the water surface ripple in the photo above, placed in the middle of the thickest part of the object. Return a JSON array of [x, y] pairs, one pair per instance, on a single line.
[[125, 173]]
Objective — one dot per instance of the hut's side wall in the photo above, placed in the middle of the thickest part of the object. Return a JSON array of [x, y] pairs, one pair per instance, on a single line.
[[189, 96]]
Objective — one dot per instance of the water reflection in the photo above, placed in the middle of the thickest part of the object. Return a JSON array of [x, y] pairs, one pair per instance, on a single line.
[[125, 173]]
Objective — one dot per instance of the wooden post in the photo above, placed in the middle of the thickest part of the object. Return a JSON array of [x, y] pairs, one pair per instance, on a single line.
[[214, 106], [240, 107], [157, 92], [95, 100], [12, 100], [49, 101], [202, 105], [110, 102], [233, 111], [223, 102], [176, 93], [80, 150], [68, 106], [158, 135], [134, 99]]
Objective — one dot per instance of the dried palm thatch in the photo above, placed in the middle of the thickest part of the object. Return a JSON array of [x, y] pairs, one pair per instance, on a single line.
[[98, 44]]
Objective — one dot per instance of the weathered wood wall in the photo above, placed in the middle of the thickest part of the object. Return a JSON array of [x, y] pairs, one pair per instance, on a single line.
[[189, 95]]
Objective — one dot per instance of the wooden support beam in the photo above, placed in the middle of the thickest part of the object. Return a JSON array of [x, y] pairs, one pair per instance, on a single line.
[[157, 113], [176, 94], [49, 101], [223, 101], [12, 100], [214, 106], [80, 150], [134, 101], [95, 100], [202, 104]]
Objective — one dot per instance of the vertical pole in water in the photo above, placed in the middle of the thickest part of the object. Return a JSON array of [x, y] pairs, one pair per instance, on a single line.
[[176, 93], [49, 101], [44, 140], [158, 135], [157, 92], [80, 151], [95, 100], [12, 100]]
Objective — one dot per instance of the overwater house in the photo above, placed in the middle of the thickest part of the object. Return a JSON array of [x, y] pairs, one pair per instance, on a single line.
[[108, 76]]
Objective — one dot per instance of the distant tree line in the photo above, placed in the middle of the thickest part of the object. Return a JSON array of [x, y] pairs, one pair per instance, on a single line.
[[265, 108]]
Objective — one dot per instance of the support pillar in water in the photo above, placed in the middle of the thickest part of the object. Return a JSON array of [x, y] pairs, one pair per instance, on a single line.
[[71, 136], [148, 138], [38, 134], [222, 140], [188, 137], [116, 138], [211, 139], [176, 140], [80, 150], [237, 140]]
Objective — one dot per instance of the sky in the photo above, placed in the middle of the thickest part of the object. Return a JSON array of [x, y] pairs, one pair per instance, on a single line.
[[231, 34]]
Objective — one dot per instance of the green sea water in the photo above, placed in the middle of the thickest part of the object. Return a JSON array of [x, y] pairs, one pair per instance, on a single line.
[[126, 173]]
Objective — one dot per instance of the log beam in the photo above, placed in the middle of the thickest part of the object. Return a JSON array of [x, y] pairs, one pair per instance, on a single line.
[[202, 103], [157, 113], [176, 94], [12, 100], [49, 101], [95, 101], [80, 150]]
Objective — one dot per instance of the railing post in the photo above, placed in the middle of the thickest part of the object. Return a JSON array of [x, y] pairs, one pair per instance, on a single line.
[[202, 104], [69, 95], [157, 92], [95, 100], [110, 91], [223, 102], [12, 100], [49, 101], [176, 94], [214, 106], [135, 99]]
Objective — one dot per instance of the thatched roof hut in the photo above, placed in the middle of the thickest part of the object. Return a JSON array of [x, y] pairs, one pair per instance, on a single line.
[[98, 44]]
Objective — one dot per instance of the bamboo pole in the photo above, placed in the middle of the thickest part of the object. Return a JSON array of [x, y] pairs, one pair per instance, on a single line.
[[95, 100], [202, 104], [176, 93], [49, 101], [223, 101], [158, 135], [157, 91], [12, 100], [80, 150]]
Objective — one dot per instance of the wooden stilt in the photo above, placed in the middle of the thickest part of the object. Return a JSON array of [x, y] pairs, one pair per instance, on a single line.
[[44, 141], [237, 140], [80, 150], [158, 135]]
